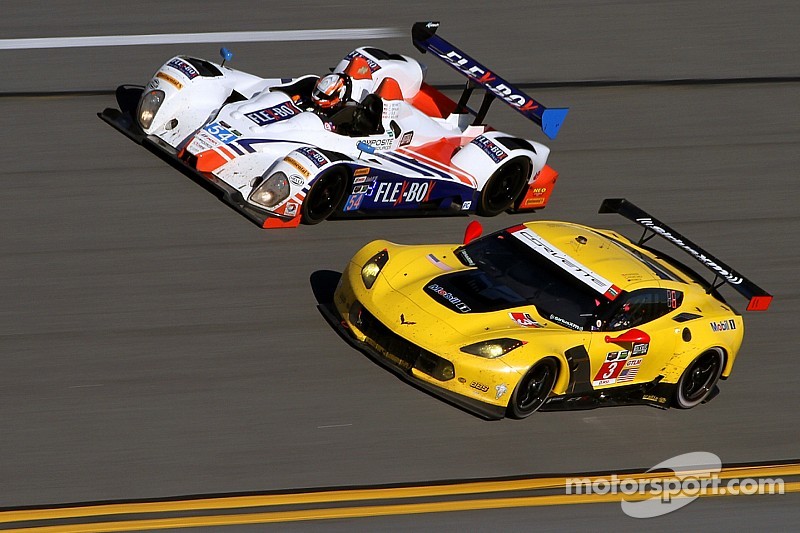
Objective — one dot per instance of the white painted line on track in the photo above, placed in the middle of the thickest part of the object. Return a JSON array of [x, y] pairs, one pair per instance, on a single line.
[[215, 37]]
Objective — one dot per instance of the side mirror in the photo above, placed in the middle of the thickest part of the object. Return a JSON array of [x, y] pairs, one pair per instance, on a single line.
[[473, 231], [226, 54], [631, 336]]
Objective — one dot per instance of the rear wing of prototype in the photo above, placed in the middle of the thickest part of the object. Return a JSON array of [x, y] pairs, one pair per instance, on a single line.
[[758, 298], [425, 39]]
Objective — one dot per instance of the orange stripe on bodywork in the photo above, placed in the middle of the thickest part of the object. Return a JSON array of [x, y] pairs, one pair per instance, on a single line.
[[209, 161], [275, 222], [539, 190], [438, 154], [432, 102]]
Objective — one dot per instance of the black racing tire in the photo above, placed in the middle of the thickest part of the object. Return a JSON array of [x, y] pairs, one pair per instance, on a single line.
[[325, 195], [504, 186], [699, 379], [533, 389]]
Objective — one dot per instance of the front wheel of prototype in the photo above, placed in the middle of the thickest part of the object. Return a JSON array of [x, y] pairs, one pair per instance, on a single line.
[[533, 389], [699, 379], [503, 187], [325, 195]]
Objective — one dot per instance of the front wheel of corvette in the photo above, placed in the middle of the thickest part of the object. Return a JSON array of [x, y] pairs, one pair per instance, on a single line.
[[503, 187], [533, 389], [325, 195], [699, 379]]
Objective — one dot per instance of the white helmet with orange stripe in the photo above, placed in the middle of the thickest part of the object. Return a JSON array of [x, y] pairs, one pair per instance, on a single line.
[[331, 91]]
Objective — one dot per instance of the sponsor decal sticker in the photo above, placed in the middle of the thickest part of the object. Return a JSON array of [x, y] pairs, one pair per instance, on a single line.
[[640, 348], [360, 189], [700, 256], [297, 180], [652, 398], [314, 156], [373, 65], [566, 263], [291, 209], [184, 68], [723, 325], [300, 168], [406, 138], [491, 149], [411, 192], [525, 320], [378, 144], [361, 171], [565, 323], [479, 386], [498, 86], [169, 79], [454, 300], [273, 114]]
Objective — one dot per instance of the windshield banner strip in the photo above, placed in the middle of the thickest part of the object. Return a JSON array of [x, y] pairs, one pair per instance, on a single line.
[[565, 262]]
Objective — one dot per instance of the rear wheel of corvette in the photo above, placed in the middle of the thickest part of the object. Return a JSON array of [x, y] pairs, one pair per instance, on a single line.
[[325, 195], [503, 187], [699, 379], [533, 389]]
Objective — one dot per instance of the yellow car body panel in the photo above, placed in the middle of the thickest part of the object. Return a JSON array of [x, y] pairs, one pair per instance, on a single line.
[[410, 310]]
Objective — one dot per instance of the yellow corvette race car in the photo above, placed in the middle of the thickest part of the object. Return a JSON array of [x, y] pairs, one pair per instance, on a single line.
[[546, 315]]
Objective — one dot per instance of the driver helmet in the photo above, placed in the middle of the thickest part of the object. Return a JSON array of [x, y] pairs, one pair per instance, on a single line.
[[331, 91]]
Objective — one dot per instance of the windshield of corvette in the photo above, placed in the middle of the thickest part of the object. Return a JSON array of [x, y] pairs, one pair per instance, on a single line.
[[527, 277]]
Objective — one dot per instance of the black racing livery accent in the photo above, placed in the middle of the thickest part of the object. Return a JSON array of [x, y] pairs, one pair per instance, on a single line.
[[514, 143], [685, 317], [377, 53], [472, 291], [580, 371], [654, 394], [759, 299], [205, 68]]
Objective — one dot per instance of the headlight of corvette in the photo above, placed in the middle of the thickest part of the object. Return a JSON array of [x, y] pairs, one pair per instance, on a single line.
[[148, 107], [370, 271], [493, 348], [272, 191]]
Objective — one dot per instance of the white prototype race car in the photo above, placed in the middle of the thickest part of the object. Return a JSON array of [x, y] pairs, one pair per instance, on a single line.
[[369, 139]]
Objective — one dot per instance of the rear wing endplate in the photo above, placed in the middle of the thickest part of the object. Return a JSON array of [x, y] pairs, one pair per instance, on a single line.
[[425, 39], [758, 298]]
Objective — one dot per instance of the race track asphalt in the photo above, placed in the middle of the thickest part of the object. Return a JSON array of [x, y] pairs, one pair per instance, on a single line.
[[154, 343]]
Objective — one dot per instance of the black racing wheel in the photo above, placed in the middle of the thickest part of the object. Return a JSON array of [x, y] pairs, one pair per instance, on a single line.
[[325, 195], [533, 389], [699, 379], [504, 186]]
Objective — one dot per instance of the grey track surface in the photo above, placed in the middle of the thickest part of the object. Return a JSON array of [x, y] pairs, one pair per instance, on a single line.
[[155, 343]]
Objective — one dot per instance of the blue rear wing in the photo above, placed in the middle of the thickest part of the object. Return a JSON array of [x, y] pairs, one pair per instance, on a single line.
[[425, 39]]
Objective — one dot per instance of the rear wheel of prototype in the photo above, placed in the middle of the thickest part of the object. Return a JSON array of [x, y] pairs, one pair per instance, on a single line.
[[325, 195], [699, 379], [503, 187], [533, 389]]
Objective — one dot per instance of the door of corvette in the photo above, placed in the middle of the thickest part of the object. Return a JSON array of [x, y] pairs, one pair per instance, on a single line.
[[637, 337]]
